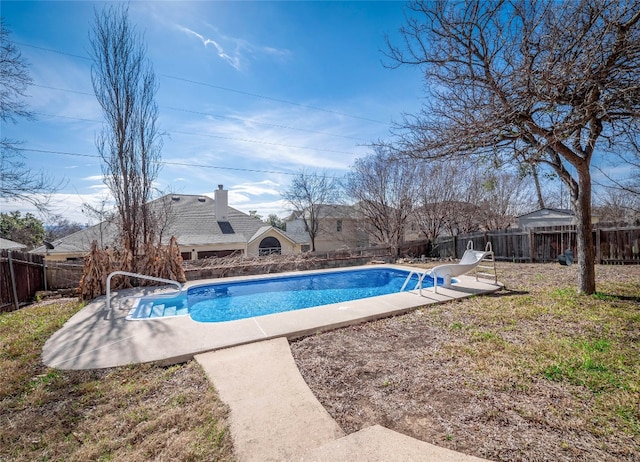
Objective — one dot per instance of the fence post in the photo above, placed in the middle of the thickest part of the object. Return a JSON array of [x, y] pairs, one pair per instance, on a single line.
[[532, 246], [598, 253], [13, 282]]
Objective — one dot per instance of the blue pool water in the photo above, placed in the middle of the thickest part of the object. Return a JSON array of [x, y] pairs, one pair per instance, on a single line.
[[229, 301]]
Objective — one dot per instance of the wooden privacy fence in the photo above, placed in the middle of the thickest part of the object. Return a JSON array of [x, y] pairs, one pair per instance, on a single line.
[[21, 276], [538, 245], [63, 275]]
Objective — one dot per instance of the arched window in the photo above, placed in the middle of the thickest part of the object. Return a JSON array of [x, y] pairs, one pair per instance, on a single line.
[[270, 245]]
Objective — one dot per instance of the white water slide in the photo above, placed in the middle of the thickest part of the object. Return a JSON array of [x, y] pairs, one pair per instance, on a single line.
[[470, 260]]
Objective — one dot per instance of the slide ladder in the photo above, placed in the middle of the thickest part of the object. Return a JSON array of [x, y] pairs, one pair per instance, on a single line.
[[486, 269]]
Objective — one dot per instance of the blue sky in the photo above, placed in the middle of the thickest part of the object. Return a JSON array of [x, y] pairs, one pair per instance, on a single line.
[[250, 93]]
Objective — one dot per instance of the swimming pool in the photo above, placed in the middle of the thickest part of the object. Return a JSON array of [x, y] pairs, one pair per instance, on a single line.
[[228, 301]]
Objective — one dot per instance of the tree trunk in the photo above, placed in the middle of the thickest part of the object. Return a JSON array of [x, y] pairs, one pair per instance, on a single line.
[[584, 235], [536, 180]]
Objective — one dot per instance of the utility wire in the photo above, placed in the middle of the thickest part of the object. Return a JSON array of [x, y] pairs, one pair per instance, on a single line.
[[165, 162], [255, 95], [241, 119], [219, 87], [252, 121], [52, 50], [267, 143], [244, 140]]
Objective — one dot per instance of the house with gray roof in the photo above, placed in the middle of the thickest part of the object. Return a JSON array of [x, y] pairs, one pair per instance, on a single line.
[[203, 227], [550, 217], [339, 226], [6, 244]]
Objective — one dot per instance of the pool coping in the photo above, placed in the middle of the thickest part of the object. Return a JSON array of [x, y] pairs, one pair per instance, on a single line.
[[96, 338]]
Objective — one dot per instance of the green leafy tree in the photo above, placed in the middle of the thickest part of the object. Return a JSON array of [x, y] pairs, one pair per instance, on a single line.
[[26, 229], [275, 221]]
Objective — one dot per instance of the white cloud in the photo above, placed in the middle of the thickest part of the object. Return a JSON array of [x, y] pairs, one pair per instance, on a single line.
[[257, 188], [235, 51], [234, 61], [68, 205], [262, 141]]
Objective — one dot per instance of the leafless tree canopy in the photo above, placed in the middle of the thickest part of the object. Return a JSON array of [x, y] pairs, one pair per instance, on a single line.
[[618, 207], [384, 189], [15, 78], [459, 197], [17, 181], [537, 81], [307, 193], [130, 142]]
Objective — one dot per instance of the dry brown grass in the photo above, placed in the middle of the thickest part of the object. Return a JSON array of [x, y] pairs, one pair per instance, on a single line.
[[535, 372], [133, 413]]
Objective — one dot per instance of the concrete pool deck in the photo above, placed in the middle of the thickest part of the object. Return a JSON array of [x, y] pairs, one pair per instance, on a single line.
[[96, 338]]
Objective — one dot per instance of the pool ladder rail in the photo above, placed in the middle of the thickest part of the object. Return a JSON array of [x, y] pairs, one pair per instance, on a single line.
[[421, 275], [140, 276]]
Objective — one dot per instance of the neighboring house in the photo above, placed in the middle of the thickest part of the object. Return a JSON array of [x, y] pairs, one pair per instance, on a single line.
[[340, 226], [6, 244], [203, 227], [549, 217]]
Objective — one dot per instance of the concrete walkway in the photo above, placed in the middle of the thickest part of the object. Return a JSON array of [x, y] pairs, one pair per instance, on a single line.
[[275, 416]]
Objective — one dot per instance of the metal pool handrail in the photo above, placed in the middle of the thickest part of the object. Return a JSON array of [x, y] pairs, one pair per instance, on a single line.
[[135, 275], [420, 274]]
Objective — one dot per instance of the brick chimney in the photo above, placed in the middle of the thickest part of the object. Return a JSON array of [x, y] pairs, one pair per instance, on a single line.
[[221, 198]]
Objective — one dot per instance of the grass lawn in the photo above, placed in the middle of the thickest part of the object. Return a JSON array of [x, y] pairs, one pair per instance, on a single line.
[[134, 413], [533, 372]]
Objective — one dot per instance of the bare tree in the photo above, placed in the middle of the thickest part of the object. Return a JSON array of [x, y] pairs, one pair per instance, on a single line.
[[526, 80], [17, 181], [130, 142], [384, 189], [506, 196], [626, 158], [60, 227], [434, 195], [618, 207], [307, 194]]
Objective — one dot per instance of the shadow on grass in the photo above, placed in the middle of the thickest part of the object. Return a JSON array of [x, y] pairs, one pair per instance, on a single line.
[[611, 297], [506, 292]]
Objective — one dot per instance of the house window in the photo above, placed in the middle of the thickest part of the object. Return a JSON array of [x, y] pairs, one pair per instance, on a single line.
[[339, 226], [269, 246]]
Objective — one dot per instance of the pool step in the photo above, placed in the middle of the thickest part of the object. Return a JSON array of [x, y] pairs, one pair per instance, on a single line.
[[149, 310], [157, 311]]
